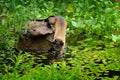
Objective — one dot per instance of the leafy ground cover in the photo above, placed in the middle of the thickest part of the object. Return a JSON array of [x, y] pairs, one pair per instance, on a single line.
[[93, 40]]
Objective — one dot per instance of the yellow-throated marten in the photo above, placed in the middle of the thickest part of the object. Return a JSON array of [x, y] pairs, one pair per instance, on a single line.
[[59, 32]]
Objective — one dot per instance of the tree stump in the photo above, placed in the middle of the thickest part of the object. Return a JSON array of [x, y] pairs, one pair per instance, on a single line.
[[37, 39]]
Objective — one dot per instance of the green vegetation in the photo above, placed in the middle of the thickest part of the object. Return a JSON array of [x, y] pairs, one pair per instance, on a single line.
[[93, 40]]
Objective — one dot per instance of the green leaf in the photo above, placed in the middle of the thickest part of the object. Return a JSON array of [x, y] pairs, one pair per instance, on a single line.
[[114, 37]]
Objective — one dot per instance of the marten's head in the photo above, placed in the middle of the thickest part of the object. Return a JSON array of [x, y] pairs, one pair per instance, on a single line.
[[57, 44]]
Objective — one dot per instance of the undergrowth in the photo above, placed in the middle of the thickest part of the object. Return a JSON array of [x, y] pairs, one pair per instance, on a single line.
[[93, 40]]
